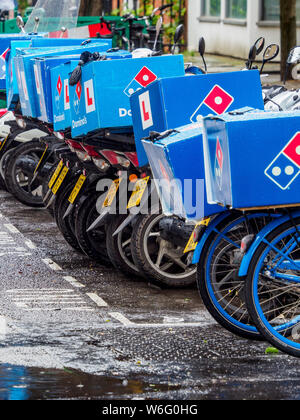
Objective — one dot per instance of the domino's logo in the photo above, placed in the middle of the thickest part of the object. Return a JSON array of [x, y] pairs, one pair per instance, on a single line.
[[2, 64], [219, 161], [143, 79], [77, 97], [217, 100], [285, 168]]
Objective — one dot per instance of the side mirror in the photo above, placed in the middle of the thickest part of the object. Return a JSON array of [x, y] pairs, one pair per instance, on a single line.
[[201, 46], [20, 23], [260, 45], [294, 56], [270, 54], [36, 26], [159, 25], [201, 49], [178, 33]]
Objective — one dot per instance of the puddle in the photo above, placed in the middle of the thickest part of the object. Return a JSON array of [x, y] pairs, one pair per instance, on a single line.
[[22, 383]]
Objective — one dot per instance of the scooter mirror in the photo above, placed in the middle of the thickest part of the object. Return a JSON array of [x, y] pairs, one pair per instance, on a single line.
[[178, 33], [201, 47], [20, 23], [159, 25], [271, 52], [252, 53], [75, 76], [294, 56], [259, 45]]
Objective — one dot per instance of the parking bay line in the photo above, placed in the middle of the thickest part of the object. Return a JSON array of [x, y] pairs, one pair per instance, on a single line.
[[74, 282], [51, 264], [97, 299]]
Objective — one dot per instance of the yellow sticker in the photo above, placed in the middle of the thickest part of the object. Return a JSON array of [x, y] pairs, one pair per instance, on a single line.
[[192, 244], [77, 189], [2, 143], [138, 192], [60, 180], [43, 155], [55, 175], [112, 192]]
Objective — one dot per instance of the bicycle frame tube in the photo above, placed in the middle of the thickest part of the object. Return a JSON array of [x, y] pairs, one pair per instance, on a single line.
[[210, 228], [261, 237]]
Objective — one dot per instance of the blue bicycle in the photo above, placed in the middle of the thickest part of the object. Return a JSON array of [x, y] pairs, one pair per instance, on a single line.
[[273, 283]]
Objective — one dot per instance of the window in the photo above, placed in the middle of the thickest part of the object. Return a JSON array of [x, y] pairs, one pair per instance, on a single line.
[[236, 9], [211, 8], [271, 10]]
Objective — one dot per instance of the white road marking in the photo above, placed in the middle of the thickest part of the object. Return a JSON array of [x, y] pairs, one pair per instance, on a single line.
[[121, 318], [51, 264], [11, 228], [3, 326], [97, 299], [74, 282], [30, 244], [48, 300]]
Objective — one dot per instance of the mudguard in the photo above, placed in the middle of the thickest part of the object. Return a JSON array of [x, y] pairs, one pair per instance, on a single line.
[[260, 238], [206, 234]]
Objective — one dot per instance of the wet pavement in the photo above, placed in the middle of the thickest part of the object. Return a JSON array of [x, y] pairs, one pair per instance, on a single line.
[[70, 328]]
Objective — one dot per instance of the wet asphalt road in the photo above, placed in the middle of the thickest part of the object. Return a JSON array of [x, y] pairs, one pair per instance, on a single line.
[[72, 329]]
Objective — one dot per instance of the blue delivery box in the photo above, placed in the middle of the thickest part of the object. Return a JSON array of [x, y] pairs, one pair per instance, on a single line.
[[252, 160], [174, 102], [101, 98], [61, 95], [43, 87], [177, 165], [60, 91], [25, 74]]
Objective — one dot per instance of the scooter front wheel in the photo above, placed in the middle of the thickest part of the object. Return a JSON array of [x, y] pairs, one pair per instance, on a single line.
[[273, 288]]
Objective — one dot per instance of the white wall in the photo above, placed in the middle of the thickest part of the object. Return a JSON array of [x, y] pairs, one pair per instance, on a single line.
[[229, 39]]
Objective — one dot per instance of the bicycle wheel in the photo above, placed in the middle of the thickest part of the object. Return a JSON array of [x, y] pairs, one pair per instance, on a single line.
[[221, 290], [273, 288]]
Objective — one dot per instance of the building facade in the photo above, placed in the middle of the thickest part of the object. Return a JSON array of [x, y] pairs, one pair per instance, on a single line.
[[231, 26]]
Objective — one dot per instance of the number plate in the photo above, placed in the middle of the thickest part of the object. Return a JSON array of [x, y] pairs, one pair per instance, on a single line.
[[77, 189], [43, 155], [192, 244], [55, 175], [112, 192], [3, 143], [60, 180], [138, 192]]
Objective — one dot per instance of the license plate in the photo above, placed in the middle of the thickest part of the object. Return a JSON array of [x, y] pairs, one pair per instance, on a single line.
[[55, 175], [60, 180], [77, 189], [112, 192], [39, 164], [138, 192], [192, 243], [2, 144]]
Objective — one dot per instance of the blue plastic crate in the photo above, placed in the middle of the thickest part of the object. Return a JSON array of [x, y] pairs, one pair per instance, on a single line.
[[177, 165], [252, 160], [61, 111], [174, 102], [101, 99], [61, 95], [24, 61], [43, 87], [5, 44]]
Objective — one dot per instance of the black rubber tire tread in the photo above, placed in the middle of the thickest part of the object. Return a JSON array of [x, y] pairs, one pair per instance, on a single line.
[[113, 249], [249, 293], [10, 181], [64, 225], [143, 265], [87, 204], [205, 296]]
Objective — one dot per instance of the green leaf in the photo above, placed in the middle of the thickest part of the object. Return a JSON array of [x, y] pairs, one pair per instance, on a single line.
[[272, 350]]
